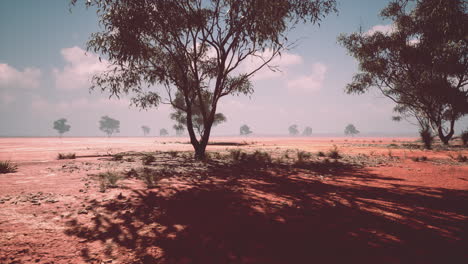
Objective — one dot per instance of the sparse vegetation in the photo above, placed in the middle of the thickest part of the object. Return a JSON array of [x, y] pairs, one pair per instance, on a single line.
[[334, 153], [148, 159], [426, 137], [108, 179], [321, 154], [418, 159], [258, 157], [464, 137], [173, 153], [303, 156], [150, 177], [117, 157], [7, 167], [61, 156]]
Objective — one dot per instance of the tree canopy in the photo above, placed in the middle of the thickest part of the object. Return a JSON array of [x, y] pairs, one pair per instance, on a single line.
[[146, 130], [109, 125], [307, 131], [421, 64], [192, 48], [245, 130], [351, 130], [293, 130], [61, 126], [163, 132]]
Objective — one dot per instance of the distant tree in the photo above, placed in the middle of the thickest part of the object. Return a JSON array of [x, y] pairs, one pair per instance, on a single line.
[[146, 130], [180, 116], [163, 132], [307, 132], [179, 129], [61, 126], [193, 48], [109, 125], [351, 130], [245, 130], [421, 64], [293, 130]]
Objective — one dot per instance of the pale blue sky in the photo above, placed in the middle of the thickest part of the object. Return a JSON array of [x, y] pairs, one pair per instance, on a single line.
[[43, 77]]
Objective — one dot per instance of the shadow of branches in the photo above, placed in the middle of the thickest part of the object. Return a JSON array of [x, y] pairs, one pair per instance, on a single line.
[[276, 214]]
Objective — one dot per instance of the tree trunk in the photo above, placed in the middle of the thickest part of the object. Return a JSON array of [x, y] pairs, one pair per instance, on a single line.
[[446, 138]]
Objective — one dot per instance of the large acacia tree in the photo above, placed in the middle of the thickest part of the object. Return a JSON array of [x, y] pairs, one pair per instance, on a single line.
[[421, 64], [192, 47]]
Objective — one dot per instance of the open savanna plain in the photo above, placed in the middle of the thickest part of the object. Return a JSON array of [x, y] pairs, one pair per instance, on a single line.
[[254, 200]]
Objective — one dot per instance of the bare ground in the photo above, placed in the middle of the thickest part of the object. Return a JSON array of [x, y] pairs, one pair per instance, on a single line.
[[378, 202]]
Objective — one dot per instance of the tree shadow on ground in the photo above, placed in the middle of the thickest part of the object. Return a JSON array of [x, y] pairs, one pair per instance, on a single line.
[[242, 214]]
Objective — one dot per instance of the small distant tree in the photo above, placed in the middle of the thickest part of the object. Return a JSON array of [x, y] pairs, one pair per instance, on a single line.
[[146, 130], [179, 129], [293, 130], [426, 136], [307, 132], [61, 126], [163, 132], [464, 137], [245, 130], [109, 125], [351, 130]]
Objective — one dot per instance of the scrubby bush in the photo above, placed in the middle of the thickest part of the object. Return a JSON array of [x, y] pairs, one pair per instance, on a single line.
[[321, 154], [7, 167], [302, 156], [148, 159], [173, 153], [464, 137], [150, 177], [334, 153], [426, 137], [117, 157], [235, 154], [256, 158], [109, 179], [66, 156]]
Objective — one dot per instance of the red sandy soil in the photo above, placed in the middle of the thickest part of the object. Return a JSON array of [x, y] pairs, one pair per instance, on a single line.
[[390, 210]]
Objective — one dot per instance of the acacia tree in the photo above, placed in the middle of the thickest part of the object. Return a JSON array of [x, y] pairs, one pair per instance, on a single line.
[[163, 132], [245, 130], [109, 125], [293, 130], [351, 130], [61, 126], [146, 130], [307, 132], [193, 47], [421, 65]]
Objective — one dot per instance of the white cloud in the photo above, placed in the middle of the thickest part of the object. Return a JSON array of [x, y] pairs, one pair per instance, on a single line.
[[79, 69], [311, 82], [13, 78], [384, 29]]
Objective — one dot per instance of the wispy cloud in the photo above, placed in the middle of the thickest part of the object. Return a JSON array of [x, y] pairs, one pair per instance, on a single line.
[[311, 82], [79, 69], [13, 78]]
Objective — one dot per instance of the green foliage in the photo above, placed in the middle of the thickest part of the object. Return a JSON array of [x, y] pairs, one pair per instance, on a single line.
[[66, 156], [7, 167], [109, 125], [426, 137], [194, 50], [420, 65], [146, 130], [293, 131], [350, 129], [61, 126], [148, 159], [245, 130]]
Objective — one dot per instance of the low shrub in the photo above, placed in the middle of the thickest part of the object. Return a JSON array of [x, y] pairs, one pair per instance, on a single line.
[[302, 156], [148, 159], [235, 154], [418, 159], [117, 157], [464, 137], [150, 177], [61, 156], [461, 158], [173, 153], [7, 167], [334, 153], [426, 137], [109, 179], [321, 154]]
